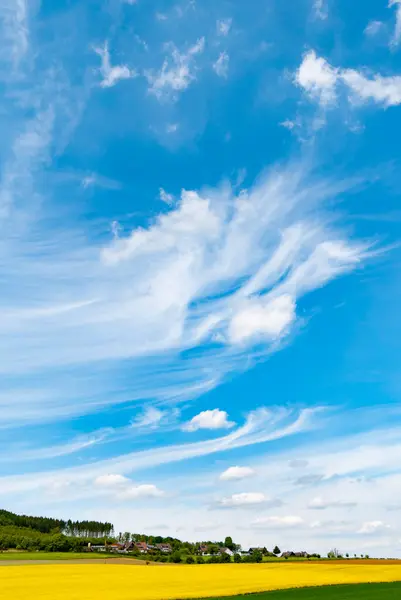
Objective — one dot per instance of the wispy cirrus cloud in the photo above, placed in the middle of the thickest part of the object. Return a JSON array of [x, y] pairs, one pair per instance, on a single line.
[[177, 72], [261, 426], [220, 296], [221, 65], [14, 26], [396, 4], [321, 81], [112, 75]]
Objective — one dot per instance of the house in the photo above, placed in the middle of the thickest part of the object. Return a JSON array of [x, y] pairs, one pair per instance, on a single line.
[[165, 548], [204, 550], [142, 547], [98, 548], [116, 547], [226, 551], [294, 555]]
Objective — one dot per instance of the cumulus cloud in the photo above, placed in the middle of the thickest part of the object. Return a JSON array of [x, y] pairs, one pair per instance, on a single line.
[[220, 67], [112, 75], [372, 527], [111, 480], [320, 81], [122, 487], [236, 473], [259, 319], [177, 72], [278, 522], [243, 499], [140, 491], [317, 78], [209, 419]]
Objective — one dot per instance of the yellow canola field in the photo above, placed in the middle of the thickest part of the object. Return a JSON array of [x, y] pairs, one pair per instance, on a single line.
[[129, 582]]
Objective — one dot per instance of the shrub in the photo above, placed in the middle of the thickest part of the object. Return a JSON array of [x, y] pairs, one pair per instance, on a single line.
[[190, 560], [237, 558]]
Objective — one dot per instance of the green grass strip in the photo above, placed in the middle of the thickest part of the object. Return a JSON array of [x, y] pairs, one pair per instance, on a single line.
[[356, 591]]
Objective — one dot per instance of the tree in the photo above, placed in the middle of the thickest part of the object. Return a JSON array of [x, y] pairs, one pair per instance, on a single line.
[[200, 560], [256, 556], [190, 560], [175, 557], [237, 558], [225, 558], [334, 553], [276, 550], [347, 555], [228, 543]]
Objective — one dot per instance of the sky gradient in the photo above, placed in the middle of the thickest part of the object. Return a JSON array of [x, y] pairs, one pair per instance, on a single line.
[[200, 331]]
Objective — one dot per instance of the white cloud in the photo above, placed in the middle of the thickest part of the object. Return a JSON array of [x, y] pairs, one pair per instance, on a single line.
[[122, 488], [261, 426], [243, 499], [209, 419], [112, 75], [373, 28], [111, 480], [288, 124], [220, 67], [166, 197], [319, 503], [278, 522], [151, 417], [220, 264], [320, 9], [177, 72], [223, 26], [236, 473], [372, 527], [320, 80], [317, 78], [140, 491], [382, 90], [397, 30], [14, 30], [262, 319], [172, 127]]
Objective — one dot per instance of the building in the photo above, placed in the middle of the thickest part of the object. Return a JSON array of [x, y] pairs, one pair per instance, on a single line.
[[226, 551], [142, 547], [165, 548]]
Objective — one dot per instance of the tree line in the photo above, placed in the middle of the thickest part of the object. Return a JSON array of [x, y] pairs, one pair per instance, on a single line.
[[92, 529]]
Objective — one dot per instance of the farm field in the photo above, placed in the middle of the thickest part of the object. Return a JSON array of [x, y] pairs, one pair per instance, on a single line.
[[28, 556], [362, 591], [132, 582]]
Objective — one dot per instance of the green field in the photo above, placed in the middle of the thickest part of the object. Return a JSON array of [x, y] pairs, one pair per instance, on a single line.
[[361, 591], [52, 555]]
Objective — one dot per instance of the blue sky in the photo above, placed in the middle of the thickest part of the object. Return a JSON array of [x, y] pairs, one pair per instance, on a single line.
[[200, 325]]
